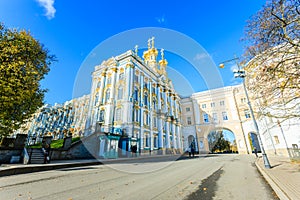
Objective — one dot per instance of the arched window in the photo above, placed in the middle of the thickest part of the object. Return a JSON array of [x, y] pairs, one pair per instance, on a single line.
[[136, 115], [146, 99], [120, 93], [96, 99], [107, 95], [101, 115], [136, 94], [136, 78], [154, 103], [98, 84], [109, 80], [121, 76], [146, 118]]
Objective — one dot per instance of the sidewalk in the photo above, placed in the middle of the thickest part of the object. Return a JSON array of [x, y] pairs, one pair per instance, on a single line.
[[13, 169], [283, 177]]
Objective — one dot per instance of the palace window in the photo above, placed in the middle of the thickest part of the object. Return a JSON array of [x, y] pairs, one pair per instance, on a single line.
[[222, 103], [136, 78], [276, 139], [145, 85], [189, 120], [146, 118], [154, 103], [118, 114], [136, 115], [107, 95], [153, 89], [215, 117], [247, 113], [212, 104], [155, 141], [188, 109], [154, 122], [205, 118], [101, 116], [203, 105], [146, 99], [120, 93], [147, 140], [243, 100], [121, 76], [136, 94], [224, 115], [98, 84], [96, 99], [109, 80]]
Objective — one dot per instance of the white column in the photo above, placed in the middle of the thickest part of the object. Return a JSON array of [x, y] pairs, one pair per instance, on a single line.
[[151, 115], [165, 108], [167, 133], [141, 112], [102, 86], [196, 112], [129, 81], [158, 94], [178, 134], [113, 82], [89, 123], [160, 132], [112, 94], [171, 105], [174, 136]]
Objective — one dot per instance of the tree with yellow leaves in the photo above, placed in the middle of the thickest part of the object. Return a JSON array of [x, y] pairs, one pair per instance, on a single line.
[[273, 56], [24, 62]]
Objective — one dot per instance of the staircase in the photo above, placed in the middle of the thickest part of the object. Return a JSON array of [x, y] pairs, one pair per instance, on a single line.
[[36, 156]]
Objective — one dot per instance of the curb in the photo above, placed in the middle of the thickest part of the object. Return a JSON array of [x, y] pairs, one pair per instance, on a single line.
[[46, 167], [279, 192], [31, 169]]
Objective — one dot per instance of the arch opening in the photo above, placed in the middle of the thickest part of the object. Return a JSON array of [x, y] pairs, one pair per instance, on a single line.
[[254, 142], [222, 141]]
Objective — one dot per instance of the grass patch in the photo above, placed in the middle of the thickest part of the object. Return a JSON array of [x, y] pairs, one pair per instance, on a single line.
[[55, 144]]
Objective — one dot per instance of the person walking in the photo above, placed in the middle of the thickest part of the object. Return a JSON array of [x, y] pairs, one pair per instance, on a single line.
[[46, 153], [193, 149], [255, 152]]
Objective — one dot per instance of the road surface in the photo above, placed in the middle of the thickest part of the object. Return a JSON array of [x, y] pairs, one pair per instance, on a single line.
[[212, 177]]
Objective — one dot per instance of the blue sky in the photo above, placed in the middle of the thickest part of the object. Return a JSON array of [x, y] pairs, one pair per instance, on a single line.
[[72, 29]]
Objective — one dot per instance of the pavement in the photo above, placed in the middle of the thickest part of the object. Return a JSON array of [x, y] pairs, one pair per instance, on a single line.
[[14, 169], [283, 176]]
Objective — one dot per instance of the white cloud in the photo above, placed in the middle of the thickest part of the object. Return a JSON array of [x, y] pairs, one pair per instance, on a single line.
[[48, 5], [161, 20], [234, 67], [200, 56]]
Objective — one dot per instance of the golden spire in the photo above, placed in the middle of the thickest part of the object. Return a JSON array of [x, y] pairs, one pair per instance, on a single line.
[[150, 55], [163, 63], [152, 42]]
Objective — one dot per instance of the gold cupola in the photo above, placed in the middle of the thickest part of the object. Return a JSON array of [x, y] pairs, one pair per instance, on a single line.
[[163, 63], [150, 55]]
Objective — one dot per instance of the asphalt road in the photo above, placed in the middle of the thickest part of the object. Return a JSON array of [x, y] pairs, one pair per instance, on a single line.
[[213, 177]]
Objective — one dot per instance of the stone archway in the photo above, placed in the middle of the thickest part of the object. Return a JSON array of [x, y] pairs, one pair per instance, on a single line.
[[222, 140]]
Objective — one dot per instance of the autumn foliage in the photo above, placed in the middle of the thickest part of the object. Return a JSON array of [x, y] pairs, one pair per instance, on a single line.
[[273, 58], [24, 62]]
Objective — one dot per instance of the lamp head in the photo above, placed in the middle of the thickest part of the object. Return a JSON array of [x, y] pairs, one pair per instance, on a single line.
[[221, 65]]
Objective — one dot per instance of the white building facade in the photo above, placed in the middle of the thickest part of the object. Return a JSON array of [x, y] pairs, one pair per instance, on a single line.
[[134, 105]]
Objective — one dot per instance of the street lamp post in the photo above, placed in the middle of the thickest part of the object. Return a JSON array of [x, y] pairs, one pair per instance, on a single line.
[[240, 73]]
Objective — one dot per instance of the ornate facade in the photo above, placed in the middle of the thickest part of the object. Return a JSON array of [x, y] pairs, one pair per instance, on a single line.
[[58, 120], [134, 104]]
